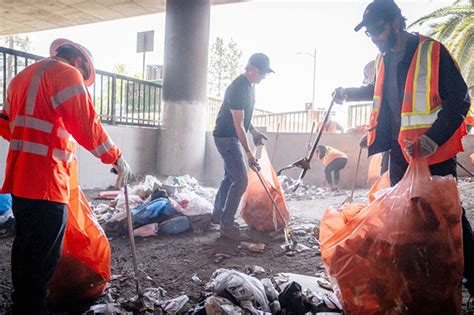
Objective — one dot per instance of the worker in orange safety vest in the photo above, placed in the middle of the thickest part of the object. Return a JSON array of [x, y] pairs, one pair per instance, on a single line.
[[334, 161], [419, 97], [47, 110]]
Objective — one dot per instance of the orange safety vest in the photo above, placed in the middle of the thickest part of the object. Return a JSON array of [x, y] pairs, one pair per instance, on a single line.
[[421, 101], [331, 155], [48, 109]]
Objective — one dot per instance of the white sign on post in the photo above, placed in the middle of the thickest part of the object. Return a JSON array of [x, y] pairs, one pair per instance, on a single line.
[[145, 42]]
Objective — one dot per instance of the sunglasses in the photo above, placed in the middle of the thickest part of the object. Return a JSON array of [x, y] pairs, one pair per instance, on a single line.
[[375, 30]]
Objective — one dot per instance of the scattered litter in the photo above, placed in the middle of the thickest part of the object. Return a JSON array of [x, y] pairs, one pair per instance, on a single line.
[[196, 279], [175, 305], [253, 247], [146, 230], [110, 194]]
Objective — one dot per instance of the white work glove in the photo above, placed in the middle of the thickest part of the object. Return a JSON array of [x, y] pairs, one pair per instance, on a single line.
[[426, 144], [124, 172], [339, 95], [253, 162], [257, 136]]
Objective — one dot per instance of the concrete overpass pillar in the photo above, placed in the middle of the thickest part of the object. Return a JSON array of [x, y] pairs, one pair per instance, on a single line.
[[182, 139]]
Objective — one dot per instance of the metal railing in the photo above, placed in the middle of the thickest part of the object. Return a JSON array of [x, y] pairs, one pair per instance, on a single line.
[[117, 99], [297, 121], [359, 115]]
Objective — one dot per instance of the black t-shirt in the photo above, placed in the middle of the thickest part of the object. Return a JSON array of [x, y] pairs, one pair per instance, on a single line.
[[239, 95]]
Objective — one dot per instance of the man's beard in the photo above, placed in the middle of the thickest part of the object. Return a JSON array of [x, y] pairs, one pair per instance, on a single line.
[[387, 44]]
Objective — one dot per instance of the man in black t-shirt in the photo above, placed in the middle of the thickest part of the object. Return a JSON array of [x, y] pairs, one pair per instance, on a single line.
[[232, 123]]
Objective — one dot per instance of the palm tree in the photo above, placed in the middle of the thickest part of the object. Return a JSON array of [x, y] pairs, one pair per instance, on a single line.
[[454, 27]]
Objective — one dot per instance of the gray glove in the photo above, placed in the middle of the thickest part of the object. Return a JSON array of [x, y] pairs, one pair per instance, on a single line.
[[257, 136], [363, 142], [124, 172], [339, 95], [426, 144], [253, 162]]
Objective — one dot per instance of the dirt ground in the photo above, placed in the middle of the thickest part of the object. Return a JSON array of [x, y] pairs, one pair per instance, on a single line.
[[172, 261]]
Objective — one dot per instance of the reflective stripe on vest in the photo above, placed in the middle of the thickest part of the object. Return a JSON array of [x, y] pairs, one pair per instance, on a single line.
[[31, 122], [33, 88], [63, 155], [67, 93], [28, 147], [64, 134], [103, 148], [421, 110]]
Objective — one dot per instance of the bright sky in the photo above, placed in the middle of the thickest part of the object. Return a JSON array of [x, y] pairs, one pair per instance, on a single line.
[[281, 29]]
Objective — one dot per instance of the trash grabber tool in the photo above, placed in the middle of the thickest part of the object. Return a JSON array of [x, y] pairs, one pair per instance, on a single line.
[[132, 241], [277, 209], [131, 237], [465, 169], [276, 143], [304, 163], [350, 198]]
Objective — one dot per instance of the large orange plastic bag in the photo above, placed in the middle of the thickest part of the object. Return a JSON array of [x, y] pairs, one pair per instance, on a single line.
[[402, 254], [257, 208], [84, 268], [379, 187], [373, 172]]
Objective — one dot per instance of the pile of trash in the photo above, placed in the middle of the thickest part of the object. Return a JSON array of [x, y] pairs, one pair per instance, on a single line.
[[178, 205], [304, 192], [234, 292]]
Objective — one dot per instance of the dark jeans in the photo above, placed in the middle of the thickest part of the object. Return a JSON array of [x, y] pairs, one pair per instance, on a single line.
[[234, 183], [39, 231], [398, 166], [332, 171]]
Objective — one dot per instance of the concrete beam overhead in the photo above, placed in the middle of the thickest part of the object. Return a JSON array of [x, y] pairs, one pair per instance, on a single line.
[[23, 16]]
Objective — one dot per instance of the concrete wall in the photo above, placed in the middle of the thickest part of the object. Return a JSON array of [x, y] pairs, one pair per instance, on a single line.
[[292, 147], [141, 151]]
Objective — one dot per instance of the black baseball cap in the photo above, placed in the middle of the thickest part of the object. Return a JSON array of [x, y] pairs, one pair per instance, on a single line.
[[379, 10], [261, 62]]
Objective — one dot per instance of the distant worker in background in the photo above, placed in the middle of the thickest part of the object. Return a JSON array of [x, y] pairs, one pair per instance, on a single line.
[[419, 97], [334, 161], [48, 109], [230, 136]]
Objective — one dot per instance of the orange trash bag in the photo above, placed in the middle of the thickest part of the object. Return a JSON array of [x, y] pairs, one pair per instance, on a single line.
[[401, 254], [257, 208], [383, 182], [84, 268], [373, 172]]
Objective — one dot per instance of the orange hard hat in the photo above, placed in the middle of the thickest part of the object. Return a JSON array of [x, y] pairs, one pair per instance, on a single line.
[[57, 43]]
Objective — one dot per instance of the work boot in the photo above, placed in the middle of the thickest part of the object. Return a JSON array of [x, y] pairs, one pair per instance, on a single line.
[[215, 220], [234, 234]]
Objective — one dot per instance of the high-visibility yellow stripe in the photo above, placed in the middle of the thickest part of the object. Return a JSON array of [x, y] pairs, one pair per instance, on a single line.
[[34, 86]]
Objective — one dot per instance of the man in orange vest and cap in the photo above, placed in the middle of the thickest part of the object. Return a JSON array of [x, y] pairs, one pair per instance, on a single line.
[[418, 95], [46, 112]]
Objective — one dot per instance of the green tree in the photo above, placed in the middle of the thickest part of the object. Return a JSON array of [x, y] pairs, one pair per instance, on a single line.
[[454, 27], [224, 65]]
